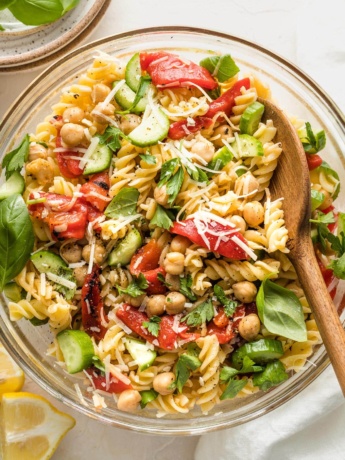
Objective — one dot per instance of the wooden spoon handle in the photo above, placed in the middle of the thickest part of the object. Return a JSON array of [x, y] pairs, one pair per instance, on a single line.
[[326, 316]]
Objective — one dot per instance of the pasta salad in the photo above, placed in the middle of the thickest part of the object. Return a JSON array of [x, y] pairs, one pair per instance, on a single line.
[[152, 247]]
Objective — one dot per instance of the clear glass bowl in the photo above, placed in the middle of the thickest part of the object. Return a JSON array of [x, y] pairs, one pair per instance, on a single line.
[[294, 91]]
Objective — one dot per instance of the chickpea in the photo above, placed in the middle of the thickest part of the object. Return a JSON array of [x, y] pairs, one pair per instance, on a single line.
[[173, 282], [240, 223], [174, 303], [160, 195], [129, 122], [134, 301], [174, 263], [72, 134], [204, 148], [71, 252], [224, 132], [245, 291], [37, 151], [180, 244], [106, 109], [73, 115], [328, 200], [162, 383], [253, 213], [246, 184], [99, 92], [80, 275], [155, 305], [99, 253], [249, 327], [128, 400], [42, 170]]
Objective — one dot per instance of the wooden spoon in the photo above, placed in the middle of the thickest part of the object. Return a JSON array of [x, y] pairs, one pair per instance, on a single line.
[[291, 181]]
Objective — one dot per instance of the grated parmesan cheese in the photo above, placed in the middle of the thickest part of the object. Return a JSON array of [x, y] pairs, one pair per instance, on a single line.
[[60, 280]]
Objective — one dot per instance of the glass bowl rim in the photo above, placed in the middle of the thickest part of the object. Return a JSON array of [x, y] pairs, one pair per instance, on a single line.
[[286, 395]]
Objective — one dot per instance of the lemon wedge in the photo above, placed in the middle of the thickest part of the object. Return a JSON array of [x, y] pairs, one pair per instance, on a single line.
[[11, 376], [30, 427]]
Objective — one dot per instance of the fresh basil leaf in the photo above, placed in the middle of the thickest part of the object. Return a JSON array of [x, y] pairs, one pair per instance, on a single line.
[[233, 388], [316, 199], [5, 4], [229, 305], [329, 172], [68, 5], [312, 143], [111, 138], [280, 311], [272, 375], [162, 218], [338, 267], [174, 185], [36, 12], [149, 159], [135, 288], [202, 313], [153, 325], [185, 365], [186, 287], [168, 170], [221, 67], [123, 204], [248, 367], [14, 160], [16, 238]]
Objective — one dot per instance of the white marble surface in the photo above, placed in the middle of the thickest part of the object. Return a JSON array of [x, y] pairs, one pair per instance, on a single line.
[[308, 33]]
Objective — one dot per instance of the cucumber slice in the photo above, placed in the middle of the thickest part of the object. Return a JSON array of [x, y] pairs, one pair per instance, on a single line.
[[99, 160], [133, 73], [13, 292], [261, 351], [152, 130], [124, 250], [251, 117], [247, 146], [125, 98], [140, 352], [46, 261], [77, 349], [221, 158], [15, 184], [147, 396]]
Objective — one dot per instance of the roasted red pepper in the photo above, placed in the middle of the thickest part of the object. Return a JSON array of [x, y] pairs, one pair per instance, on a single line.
[[221, 320], [170, 70], [134, 319], [314, 161], [224, 334], [183, 128], [57, 212], [69, 167], [226, 248], [146, 261], [226, 101], [92, 309], [98, 185], [99, 381]]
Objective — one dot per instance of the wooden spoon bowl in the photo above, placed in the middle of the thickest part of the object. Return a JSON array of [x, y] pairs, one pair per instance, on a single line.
[[291, 181]]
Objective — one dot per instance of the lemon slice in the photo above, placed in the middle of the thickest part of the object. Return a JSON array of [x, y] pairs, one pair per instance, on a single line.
[[11, 376], [30, 427]]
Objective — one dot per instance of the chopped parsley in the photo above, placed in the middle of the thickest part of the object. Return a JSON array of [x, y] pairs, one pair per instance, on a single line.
[[111, 138], [229, 305], [185, 287], [172, 177], [149, 159], [153, 325], [162, 218], [312, 143], [202, 313], [135, 288], [187, 363], [14, 160]]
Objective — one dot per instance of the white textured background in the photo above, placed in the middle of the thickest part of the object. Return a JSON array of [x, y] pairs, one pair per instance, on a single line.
[[311, 34]]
